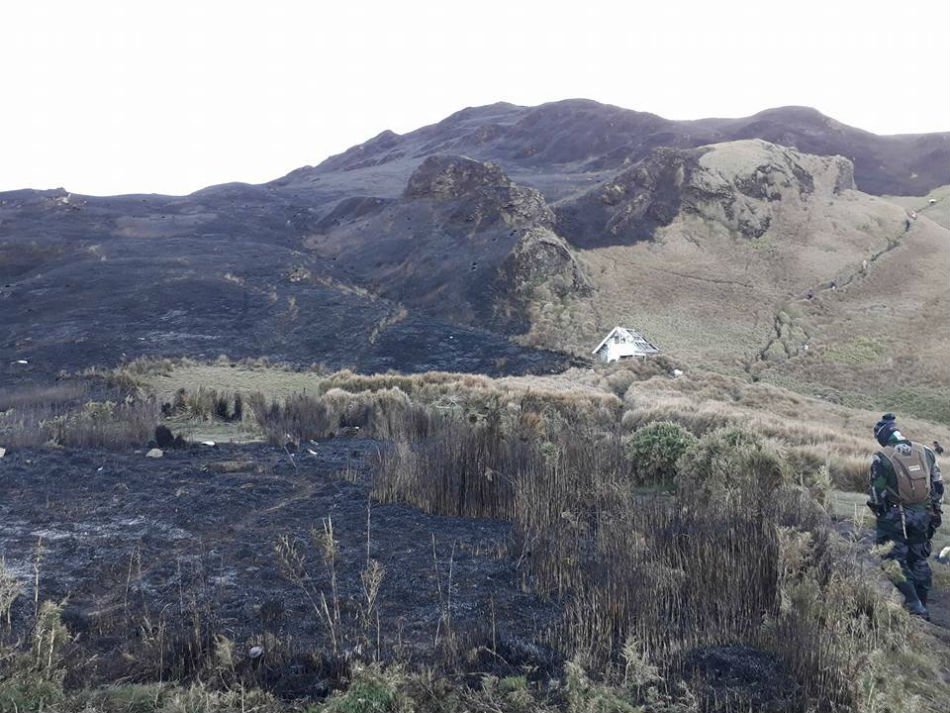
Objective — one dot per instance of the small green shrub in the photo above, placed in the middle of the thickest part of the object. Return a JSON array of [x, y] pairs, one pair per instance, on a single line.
[[654, 449], [586, 696], [130, 698], [29, 692], [372, 691], [731, 464]]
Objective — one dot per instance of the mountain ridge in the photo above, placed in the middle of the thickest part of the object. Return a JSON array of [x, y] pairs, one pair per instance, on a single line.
[[604, 136], [468, 245]]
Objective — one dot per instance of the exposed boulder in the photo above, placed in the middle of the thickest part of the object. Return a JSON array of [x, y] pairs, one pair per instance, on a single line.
[[164, 437], [543, 257], [735, 184], [630, 206], [449, 177], [165, 440]]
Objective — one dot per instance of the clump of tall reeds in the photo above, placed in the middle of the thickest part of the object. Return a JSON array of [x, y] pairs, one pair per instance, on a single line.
[[385, 414], [104, 424], [741, 554]]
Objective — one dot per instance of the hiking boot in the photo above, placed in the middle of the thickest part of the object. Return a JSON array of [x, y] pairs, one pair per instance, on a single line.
[[912, 601]]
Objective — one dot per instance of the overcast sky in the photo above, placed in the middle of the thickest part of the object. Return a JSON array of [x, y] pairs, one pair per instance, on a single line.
[[168, 96]]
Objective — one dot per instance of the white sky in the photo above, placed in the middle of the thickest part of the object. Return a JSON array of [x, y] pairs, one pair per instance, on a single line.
[[168, 96]]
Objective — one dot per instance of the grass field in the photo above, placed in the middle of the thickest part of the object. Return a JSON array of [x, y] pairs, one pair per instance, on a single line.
[[843, 296]]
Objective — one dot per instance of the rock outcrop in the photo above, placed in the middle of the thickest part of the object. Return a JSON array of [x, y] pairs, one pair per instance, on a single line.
[[483, 191], [734, 184], [450, 177], [738, 184], [544, 258], [631, 205]]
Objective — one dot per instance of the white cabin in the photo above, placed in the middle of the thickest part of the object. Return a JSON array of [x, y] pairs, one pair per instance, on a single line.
[[624, 343]]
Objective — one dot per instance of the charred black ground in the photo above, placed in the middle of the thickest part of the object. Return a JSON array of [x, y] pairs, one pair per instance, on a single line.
[[142, 548]]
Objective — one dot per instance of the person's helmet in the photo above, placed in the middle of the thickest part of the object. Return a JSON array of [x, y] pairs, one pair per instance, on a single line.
[[884, 428]]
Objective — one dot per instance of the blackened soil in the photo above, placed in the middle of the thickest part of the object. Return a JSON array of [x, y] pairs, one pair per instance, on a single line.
[[141, 548], [731, 678]]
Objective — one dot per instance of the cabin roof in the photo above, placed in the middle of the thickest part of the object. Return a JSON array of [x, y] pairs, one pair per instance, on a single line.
[[628, 334]]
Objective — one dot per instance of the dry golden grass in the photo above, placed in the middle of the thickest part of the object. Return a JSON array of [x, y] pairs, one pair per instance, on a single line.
[[709, 296], [462, 394], [815, 433], [938, 212], [274, 382]]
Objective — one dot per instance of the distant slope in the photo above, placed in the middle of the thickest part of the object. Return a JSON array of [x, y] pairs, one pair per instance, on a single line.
[[90, 281], [752, 257], [935, 205]]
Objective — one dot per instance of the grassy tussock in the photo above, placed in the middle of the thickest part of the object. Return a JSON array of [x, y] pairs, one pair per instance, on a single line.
[[815, 436]]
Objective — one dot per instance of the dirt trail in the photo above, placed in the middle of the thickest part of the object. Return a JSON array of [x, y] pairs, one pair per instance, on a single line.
[[939, 599], [939, 606]]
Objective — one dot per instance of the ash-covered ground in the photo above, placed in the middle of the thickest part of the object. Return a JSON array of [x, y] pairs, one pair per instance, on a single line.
[[144, 552]]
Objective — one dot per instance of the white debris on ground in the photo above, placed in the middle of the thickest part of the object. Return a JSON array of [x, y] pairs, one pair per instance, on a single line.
[[944, 555], [3, 452], [155, 453], [210, 444]]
